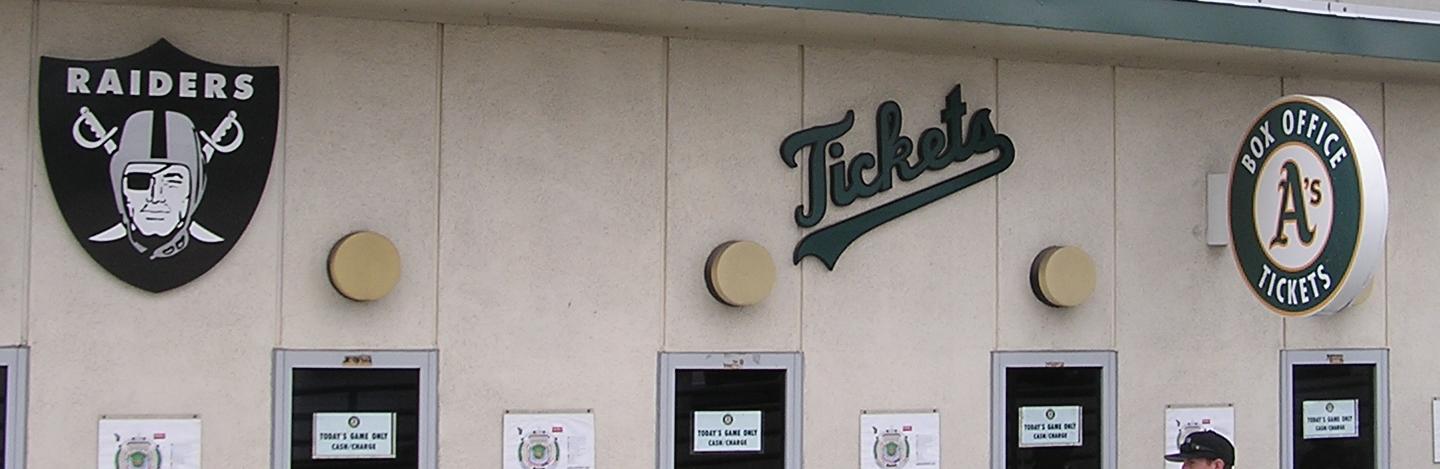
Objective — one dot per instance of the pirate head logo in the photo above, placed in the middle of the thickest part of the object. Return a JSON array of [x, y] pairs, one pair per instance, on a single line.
[[157, 183], [134, 145]]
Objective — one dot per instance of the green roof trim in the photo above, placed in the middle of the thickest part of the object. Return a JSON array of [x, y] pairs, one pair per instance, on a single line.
[[1166, 19]]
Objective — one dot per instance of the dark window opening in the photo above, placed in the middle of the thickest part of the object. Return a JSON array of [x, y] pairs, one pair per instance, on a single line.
[[1334, 382], [1069, 386], [355, 390], [730, 390]]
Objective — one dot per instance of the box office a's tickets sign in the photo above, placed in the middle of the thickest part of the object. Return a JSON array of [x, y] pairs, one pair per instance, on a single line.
[[1184, 420], [137, 443], [1049, 426], [900, 441], [727, 431], [353, 435], [548, 441], [1330, 419], [1309, 205]]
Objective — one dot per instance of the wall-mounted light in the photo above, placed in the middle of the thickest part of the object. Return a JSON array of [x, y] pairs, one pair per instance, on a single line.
[[364, 266], [1062, 276], [1217, 215], [740, 273]]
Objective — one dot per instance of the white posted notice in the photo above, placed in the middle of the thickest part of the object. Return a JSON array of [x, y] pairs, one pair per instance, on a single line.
[[899, 441], [149, 443], [1181, 421], [548, 441], [1048, 426], [353, 435], [1330, 419], [733, 431]]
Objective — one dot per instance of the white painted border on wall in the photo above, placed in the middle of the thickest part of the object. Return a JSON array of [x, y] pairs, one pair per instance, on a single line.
[[16, 361], [1378, 357], [1341, 9], [792, 363], [1105, 360], [286, 360]]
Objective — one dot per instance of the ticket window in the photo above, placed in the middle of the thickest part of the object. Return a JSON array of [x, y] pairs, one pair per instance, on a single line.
[[13, 379], [1053, 410], [361, 409], [730, 411], [1336, 405]]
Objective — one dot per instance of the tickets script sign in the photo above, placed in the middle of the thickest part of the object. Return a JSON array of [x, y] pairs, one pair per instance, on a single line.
[[157, 159], [847, 180]]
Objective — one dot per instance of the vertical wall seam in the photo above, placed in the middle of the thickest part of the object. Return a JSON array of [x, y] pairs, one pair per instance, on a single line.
[[995, 69], [1284, 322], [1114, 207], [801, 66], [439, 164], [1385, 140], [665, 203], [439, 198], [30, 130], [285, 143]]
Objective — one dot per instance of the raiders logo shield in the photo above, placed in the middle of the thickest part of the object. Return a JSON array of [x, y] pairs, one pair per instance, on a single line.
[[158, 159]]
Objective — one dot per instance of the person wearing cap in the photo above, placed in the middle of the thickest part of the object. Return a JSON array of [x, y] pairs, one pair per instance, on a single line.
[[1204, 450]]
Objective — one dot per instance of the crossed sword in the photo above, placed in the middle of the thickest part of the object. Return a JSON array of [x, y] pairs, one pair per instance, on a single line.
[[104, 137]]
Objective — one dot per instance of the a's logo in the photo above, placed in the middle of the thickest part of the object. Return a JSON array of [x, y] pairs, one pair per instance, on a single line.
[[1308, 206], [728, 419], [867, 174], [354, 422], [157, 160]]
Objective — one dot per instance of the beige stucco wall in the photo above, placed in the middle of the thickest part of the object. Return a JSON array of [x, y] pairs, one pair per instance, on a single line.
[[1172, 288], [365, 157], [99, 346], [1409, 113], [1036, 100], [15, 165], [552, 234], [554, 194], [913, 298], [724, 100]]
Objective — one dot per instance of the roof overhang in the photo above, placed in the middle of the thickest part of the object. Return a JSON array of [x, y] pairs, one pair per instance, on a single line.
[[1212, 35]]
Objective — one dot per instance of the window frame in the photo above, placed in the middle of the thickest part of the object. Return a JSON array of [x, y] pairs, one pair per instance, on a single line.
[[1380, 358], [791, 362], [1105, 359], [286, 360], [16, 360]]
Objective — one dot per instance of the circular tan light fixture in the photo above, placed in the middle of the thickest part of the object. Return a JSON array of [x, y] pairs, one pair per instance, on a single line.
[[1062, 276], [740, 273], [364, 266]]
